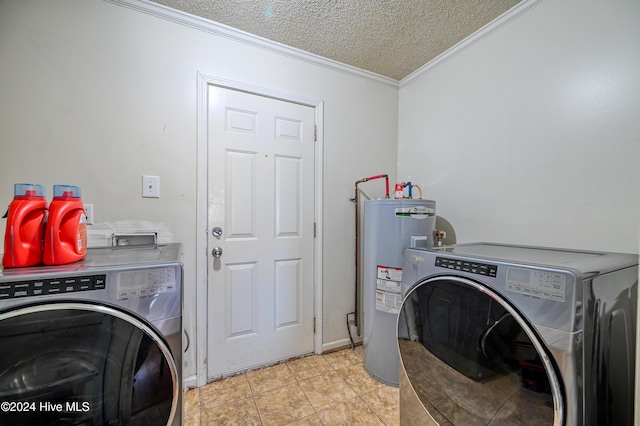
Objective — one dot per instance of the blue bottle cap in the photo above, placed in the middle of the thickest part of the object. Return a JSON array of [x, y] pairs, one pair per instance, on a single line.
[[28, 190], [67, 191]]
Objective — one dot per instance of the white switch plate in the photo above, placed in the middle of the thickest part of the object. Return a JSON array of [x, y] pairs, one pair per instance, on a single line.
[[88, 209], [150, 186]]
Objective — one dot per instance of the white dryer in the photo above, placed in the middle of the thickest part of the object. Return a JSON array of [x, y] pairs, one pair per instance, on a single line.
[[492, 334]]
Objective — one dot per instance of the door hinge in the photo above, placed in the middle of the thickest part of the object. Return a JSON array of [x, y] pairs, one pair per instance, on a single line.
[[315, 229], [314, 323], [315, 133]]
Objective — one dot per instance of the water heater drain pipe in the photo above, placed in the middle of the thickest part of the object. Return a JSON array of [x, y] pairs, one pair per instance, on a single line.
[[356, 200]]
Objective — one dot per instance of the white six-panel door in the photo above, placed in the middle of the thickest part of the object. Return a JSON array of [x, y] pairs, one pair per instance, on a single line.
[[261, 196]]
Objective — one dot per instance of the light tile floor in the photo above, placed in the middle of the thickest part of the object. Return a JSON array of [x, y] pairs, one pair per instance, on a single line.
[[330, 389]]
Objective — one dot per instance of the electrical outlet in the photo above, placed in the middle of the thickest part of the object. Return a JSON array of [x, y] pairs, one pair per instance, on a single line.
[[150, 186], [88, 209]]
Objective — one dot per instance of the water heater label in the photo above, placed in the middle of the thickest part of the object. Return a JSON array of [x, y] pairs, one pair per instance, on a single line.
[[388, 289], [544, 284], [416, 212]]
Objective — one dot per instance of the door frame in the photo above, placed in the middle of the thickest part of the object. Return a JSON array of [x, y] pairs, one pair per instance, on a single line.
[[204, 81]]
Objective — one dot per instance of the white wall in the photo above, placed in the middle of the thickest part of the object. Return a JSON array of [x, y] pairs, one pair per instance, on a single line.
[[96, 94], [532, 134]]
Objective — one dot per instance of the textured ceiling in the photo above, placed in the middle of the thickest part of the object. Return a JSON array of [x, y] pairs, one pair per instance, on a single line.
[[388, 37]]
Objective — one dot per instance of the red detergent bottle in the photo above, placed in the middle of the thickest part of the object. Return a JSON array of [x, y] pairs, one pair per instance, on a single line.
[[24, 234], [65, 239]]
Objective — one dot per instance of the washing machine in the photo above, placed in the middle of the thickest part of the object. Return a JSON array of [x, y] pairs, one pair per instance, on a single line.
[[492, 334], [96, 342]]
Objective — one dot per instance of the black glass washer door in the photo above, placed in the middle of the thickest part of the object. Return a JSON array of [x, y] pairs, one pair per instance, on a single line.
[[473, 360], [74, 363]]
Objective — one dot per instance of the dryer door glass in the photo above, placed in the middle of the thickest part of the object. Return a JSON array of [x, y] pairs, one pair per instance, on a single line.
[[83, 364], [471, 358]]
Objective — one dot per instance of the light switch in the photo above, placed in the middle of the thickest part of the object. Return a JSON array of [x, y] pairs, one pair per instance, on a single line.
[[88, 209], [150, 186]]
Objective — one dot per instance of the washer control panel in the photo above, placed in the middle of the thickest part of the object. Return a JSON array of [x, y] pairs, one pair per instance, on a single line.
[[15, 289], [146, 282], [467, 266], [545, 284]]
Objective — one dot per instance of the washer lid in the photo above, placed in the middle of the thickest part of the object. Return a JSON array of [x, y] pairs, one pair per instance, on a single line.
[[103, 259], [585, 262]]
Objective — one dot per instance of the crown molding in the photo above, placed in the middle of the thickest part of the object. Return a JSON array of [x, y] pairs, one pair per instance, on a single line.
[[225, 31], [221, 30], [474, 38]]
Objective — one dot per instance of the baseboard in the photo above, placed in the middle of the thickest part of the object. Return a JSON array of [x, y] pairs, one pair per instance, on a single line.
[[189, 382], [340, 344]]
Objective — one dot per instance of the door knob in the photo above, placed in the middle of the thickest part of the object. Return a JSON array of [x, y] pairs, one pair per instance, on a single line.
[[216, 232], [216, 252]]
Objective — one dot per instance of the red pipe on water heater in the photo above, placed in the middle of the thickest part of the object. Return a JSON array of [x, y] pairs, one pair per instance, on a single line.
[[386, 182], [356, 199]]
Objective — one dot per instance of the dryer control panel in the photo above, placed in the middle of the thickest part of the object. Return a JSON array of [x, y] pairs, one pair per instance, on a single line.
[[40, 287], [146, 282], [467, 266]]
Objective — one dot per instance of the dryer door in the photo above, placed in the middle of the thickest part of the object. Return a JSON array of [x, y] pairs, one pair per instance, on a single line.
[[471, 359], [84, 364]]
